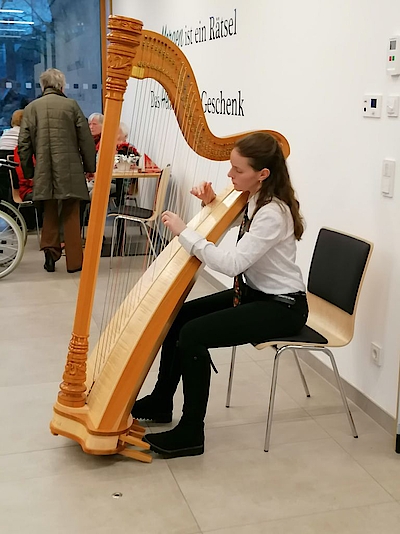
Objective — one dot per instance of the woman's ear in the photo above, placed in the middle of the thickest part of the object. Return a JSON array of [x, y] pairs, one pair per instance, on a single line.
[[264, 173]]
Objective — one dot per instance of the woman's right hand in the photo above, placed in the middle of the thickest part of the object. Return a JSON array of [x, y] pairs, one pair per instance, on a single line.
[[204, 192]]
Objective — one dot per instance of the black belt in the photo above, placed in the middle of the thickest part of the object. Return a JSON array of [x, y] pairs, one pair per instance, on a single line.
[[286, 298]]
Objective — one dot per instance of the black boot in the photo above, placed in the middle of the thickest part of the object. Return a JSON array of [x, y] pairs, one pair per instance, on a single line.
[[153, 408], [184, 440], [158, 406], [49, 263], [187, 438]]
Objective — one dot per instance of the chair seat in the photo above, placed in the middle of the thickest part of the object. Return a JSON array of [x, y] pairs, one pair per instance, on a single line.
[[306, 335], [133, 211]]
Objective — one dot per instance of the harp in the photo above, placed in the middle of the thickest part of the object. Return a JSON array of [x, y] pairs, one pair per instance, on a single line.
[[93, 407]]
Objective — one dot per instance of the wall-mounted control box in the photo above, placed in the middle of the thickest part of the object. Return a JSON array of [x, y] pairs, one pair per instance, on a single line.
[[372, 105], [388, 176], [393, 56], [392, 106]]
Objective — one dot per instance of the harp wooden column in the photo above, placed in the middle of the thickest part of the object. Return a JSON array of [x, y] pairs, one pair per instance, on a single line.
[[124, 39]]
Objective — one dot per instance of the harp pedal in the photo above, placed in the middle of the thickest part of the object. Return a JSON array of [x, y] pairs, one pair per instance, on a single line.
[[135, 434], [135, 427], [137, 455], [129, 439]]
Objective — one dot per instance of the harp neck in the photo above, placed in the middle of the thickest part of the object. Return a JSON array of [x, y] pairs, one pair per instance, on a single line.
[[160, 59]]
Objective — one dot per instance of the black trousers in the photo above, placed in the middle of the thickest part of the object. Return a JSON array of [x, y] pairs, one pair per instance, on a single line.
[[211, 322]]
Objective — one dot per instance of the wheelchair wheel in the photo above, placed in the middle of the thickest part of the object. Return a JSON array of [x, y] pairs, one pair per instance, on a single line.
[[17, 216], [11, 244]]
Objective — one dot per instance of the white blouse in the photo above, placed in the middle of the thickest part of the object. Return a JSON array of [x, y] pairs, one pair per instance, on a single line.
[[265, 254], [9, 139]]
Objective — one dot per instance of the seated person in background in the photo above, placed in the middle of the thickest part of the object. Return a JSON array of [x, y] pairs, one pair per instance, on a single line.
[[123, 147], [126, 149], [8, 141], [95, 122], [25, 190], [25, 184]]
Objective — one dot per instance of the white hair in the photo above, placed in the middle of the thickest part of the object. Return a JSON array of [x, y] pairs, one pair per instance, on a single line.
[[124, 129], [96, 116], [52, 78]]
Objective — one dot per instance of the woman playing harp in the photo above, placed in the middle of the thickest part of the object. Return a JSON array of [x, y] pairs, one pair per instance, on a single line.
[[270, 303], [98, 392]]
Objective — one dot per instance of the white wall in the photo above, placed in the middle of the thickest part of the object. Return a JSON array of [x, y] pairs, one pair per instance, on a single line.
[[303, 68]]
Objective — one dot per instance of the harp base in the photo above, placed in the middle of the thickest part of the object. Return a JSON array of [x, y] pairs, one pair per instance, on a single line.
[[102, 443]]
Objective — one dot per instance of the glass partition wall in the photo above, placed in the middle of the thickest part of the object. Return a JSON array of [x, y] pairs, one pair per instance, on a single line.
[[38, 34]]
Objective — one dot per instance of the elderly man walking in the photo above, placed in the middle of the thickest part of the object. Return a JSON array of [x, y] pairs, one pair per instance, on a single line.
[[55, 132]]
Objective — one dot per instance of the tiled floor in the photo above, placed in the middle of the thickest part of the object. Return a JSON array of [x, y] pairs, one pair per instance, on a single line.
[[316, 478]]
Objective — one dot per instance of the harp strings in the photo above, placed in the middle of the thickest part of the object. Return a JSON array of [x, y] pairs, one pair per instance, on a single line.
[[149, 126], [153, 131]]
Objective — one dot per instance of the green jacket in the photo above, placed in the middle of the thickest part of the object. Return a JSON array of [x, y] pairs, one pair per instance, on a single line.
[[55, 132]]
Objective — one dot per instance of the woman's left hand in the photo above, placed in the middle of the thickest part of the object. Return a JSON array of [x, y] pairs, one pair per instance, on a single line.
[[173, 222]]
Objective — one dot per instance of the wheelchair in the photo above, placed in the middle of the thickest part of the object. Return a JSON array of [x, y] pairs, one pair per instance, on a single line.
[[13, 232]]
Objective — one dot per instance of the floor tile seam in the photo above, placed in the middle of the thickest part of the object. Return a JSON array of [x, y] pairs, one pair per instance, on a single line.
[[263, 417], [183, 496], [37, 305], [256, 421], [27, 304], [258, 449], [363, 468], [27, 385], [385, 489], [269, 376], [55, 382], [368, 433], [47, 449], [297, 516]]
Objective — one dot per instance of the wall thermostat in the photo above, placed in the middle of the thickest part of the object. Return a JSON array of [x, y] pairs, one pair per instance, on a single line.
[[393, 56]]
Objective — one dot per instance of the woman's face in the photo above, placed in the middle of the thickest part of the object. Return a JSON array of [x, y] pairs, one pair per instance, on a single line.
[[95, 127], [243, 176], [121, 138]]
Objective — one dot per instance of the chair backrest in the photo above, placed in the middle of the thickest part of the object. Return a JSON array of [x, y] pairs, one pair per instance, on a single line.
[[161, 191], [335, 279], [14, 177], [15, 192]]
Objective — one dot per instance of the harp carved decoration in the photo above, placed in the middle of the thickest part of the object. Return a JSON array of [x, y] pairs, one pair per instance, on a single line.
[[96, 412]]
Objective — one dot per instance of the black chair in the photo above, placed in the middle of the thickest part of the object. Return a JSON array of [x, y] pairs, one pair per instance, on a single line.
[[335, 278]]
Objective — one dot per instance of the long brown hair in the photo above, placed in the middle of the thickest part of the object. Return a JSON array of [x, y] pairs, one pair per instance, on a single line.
[[264, 152]]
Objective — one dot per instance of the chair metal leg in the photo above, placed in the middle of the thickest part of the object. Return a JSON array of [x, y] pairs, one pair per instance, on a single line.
[[272, 397], [113, 241], [303, 378], [37, 226], [148, 237], [342, 392], [123, 238], [228, 394]]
